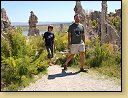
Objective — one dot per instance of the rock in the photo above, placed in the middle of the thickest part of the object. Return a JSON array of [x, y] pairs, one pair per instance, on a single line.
[[118, 12], [107, 29], [33, 20], [106, 32], [103, 21], [95, 15], [78, 9], [5, 22]]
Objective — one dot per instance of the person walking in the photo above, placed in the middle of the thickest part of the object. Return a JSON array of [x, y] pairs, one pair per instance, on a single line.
[[49, 42], [76, 42]]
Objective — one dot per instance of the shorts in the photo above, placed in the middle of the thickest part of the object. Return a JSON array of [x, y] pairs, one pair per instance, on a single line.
[[75, 48]]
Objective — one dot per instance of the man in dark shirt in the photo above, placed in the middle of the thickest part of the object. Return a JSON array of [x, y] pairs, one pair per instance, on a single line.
[[49, 42], [76, 42]]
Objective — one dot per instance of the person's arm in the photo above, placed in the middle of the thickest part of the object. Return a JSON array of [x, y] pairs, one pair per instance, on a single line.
[[54, 48], [83, 35], [43, 36], [53, 43], [69, 36], [69, 39]]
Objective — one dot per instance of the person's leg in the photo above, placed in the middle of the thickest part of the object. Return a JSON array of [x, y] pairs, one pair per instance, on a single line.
[[81, 60], [73, 51], [69, 58], [82, 57], [52, 54], [48, 56]]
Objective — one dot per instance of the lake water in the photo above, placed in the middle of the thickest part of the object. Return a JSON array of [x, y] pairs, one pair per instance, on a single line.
[[25, 33]]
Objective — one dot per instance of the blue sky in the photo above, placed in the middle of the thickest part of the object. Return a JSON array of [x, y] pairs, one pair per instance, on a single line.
[[50, 11]]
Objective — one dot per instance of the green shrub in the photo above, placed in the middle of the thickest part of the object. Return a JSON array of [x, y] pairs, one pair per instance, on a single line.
[[94, 23], [118, 58], [11, 87], [5, 48], [110, 68], [103, 58], [61, 41], [25, 80], [22, 58]]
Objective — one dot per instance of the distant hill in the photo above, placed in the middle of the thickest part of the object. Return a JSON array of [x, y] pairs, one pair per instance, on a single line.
[[40, 23]]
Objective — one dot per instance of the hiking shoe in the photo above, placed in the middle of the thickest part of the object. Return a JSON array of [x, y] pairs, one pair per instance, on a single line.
[[83, 70]]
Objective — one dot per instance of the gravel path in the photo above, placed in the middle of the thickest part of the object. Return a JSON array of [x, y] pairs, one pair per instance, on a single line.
[[71, 80]]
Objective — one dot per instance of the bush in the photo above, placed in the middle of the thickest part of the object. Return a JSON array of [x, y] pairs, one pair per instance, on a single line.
[[110, 68], [118, 58], [11, 87], [59, 58], [94, 23], [103, 58], [25, 80], [21, 59], [61, 41], [5, 48]]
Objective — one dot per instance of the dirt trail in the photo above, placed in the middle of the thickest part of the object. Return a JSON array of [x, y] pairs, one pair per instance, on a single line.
[[71, 80]]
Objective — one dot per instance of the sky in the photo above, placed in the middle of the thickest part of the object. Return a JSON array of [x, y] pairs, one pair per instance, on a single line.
[[51, 11]]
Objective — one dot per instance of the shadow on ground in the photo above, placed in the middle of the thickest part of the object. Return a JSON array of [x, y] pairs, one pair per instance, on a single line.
[[62, 74]]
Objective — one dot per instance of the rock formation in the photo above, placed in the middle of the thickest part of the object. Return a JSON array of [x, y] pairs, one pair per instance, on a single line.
[[118, 12], [33, 20], [95, 15], [103, 22], [108, 32], [78, 9], [5, 22]]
